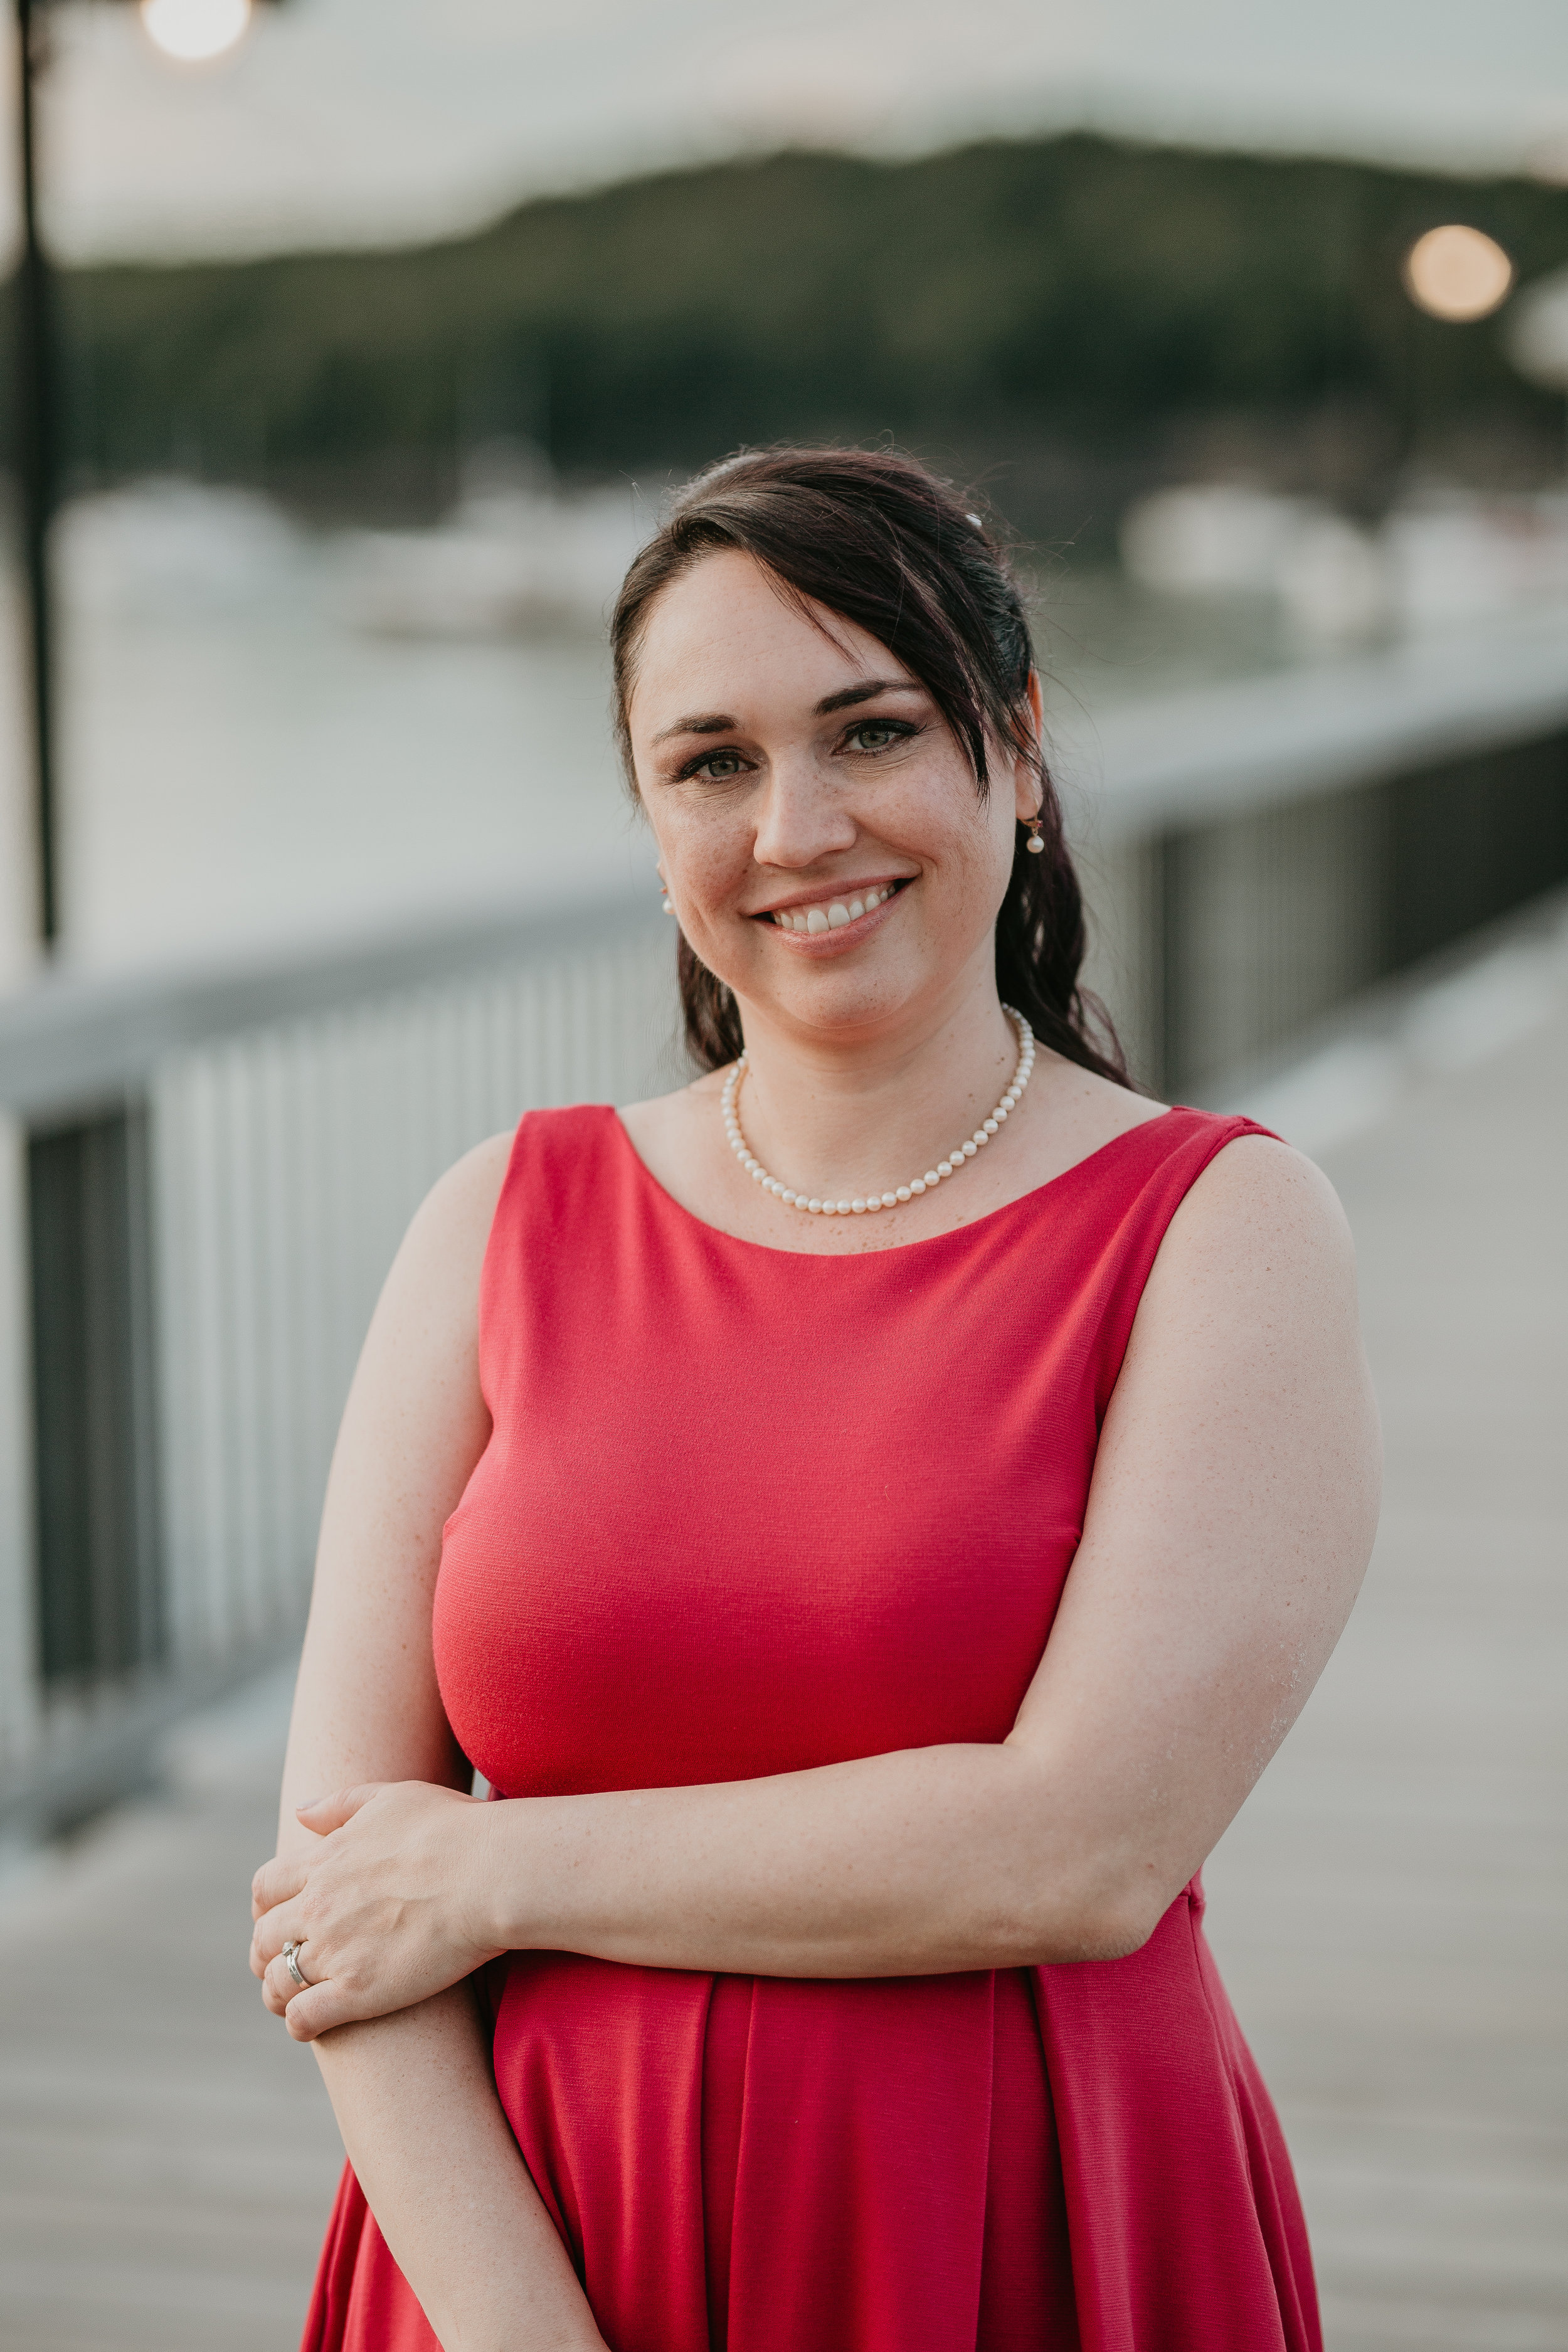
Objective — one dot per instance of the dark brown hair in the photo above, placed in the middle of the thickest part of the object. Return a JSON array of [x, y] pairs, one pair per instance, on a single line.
[[877, 537]]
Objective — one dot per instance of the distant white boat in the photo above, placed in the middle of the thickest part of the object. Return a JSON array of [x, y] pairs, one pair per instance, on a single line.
[[508, 563], [1444, 555], [169, 546], [514, 559]]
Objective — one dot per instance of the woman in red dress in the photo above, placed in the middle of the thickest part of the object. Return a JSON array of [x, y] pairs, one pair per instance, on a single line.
[[871, 1516]]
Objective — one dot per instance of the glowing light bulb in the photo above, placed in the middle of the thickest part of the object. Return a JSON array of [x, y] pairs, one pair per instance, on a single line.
[[1457, 273], [195, 30]]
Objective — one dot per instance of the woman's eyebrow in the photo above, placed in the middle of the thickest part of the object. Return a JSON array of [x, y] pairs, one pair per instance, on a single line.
[[848, 696], [720, 723], [705, 723]]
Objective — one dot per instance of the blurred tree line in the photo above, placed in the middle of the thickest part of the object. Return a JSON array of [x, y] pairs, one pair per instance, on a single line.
[[1080, 304]]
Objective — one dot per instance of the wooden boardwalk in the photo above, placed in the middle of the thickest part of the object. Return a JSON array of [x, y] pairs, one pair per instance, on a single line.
[[1390, 1910], [167, 2155]]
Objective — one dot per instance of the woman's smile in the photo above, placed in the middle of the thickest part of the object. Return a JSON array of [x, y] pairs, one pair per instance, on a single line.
[[833, 921]]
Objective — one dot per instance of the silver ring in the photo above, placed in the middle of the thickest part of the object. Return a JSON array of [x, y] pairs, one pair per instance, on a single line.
[[291, 1961]]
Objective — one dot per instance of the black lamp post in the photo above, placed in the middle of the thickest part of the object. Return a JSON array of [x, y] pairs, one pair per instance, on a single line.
[[37, 469], [36, 472]]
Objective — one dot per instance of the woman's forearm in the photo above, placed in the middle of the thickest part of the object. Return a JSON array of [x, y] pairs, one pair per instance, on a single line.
[[919, 1863], [416, 2104]]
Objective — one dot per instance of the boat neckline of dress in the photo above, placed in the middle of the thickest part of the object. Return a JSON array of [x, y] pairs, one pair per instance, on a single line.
[[892, 1249]]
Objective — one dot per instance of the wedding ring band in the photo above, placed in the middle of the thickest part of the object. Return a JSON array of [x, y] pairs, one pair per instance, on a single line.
[[291, 1961]]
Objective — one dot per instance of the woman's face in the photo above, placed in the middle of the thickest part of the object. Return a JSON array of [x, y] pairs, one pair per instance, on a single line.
[[818, 826]]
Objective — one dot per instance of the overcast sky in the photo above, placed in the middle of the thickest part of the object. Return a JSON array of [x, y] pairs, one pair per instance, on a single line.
[[381, 119]]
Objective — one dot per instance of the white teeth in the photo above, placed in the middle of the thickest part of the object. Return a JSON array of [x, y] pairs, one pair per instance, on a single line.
[[832, 917]]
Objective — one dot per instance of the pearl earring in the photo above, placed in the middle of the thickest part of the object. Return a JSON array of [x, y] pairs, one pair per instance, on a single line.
[[1033, 844], [666, 902]]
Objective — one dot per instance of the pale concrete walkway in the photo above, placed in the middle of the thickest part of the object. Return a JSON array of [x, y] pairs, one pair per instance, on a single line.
[[1390, 1910]]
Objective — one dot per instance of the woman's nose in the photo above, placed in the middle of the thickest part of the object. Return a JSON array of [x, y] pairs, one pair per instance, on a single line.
[[802, 818]]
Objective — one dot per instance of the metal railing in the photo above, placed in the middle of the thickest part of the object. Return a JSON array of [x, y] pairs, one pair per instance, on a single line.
[[1260, 852], [286, 1150]]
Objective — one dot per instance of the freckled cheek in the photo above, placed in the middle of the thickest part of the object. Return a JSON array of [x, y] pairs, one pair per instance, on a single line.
[[706, 872], [955, 844], [977, 834], [932, 813]]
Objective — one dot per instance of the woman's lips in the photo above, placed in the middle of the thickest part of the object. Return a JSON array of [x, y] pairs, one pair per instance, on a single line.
[[838, 912]]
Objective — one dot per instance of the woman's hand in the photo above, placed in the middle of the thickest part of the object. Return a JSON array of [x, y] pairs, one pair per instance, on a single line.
[[383, 1906]]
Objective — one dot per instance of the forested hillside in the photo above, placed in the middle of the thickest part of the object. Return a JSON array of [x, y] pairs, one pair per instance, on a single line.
[[1060, 294]]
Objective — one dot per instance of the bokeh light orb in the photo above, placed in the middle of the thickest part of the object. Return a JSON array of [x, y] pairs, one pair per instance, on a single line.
[[1457, 273], [195, 30]]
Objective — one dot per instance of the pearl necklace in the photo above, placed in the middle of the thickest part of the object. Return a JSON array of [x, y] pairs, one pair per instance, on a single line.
[[918, 1185]]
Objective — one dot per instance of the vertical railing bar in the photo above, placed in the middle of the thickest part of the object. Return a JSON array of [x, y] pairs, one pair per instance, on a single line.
[[210, 1288], [21, 1712], [277, 1460], [241, 1384]]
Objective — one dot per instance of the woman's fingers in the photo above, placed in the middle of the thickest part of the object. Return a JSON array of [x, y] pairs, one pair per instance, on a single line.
[[316, 2011], [278, 1988], [277, 1881], [377, 1905], [324, 1814], [271, 1932]]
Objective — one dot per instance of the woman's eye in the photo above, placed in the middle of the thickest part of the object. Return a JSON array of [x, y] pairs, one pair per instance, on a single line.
[[875, 735], [720, 767]]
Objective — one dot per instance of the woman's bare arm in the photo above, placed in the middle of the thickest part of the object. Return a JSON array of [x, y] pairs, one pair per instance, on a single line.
[[1229, 1527], [414, 2093]]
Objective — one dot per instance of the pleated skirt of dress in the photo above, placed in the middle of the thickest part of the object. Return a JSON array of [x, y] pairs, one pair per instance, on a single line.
[[1032, 2161]]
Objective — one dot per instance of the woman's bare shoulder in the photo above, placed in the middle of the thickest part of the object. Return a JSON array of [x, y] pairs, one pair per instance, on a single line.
[[467, 1195], [1262, 1184], [665, 1122], [1262, 1228], [1074, 1113], [444, 1245], [1255, 1191]]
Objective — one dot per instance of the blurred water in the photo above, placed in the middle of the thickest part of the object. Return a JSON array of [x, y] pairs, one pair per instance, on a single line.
[[241, 763], [268, 734]]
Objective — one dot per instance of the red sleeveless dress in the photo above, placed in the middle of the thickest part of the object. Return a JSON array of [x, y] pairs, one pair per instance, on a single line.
[[746, 1510]]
